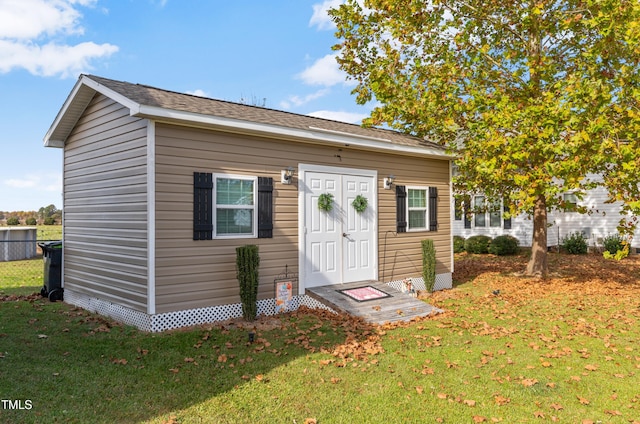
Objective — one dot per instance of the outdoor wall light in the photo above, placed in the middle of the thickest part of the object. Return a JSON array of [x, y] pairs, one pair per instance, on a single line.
[[388, 182], [286, 175]]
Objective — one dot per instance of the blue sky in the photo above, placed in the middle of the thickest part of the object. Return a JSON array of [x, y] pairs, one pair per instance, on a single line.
[[277, 51]]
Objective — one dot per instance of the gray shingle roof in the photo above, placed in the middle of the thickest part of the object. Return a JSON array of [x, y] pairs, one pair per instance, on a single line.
[[165, 99]]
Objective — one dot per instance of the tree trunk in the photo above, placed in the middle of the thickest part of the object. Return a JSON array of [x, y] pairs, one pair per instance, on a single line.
[[537, 265]]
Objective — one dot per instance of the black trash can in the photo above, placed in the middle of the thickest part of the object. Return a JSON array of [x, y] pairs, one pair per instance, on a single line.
[[52, 256]]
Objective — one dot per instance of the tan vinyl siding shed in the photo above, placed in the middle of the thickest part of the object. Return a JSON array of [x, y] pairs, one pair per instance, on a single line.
[[131, 156]]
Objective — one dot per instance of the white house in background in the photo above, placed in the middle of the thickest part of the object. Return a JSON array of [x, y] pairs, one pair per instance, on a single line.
[[600, 221]]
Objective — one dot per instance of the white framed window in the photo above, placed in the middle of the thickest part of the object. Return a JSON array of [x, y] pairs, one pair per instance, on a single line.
[[417, 210], [234, 211], [490, 216], [570, 200]]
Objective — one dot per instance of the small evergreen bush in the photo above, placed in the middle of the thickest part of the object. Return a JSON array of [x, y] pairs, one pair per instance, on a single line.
[[247, 263], [504, 245], [615, 247], [428, 264], [458, 244], [477, 244], [575, 243], [31, 221], [12, 220], [613, 243]]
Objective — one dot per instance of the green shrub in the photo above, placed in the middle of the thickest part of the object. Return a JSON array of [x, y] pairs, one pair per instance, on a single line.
[[477, 244], [615, 247], [614, 243], [504, 245], [31, 221], [12, 220], [247, 263], [428, 264], [458, 244], [49, 221], [575, 243]]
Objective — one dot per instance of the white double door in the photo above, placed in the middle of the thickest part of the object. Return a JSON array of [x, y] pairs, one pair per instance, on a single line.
[[340, 245]]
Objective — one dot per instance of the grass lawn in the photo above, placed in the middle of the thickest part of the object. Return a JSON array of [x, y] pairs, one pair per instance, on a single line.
[[507, 349], [26, 276], [49, 232]]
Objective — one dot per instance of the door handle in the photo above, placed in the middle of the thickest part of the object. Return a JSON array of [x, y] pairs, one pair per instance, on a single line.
[[345, 235]]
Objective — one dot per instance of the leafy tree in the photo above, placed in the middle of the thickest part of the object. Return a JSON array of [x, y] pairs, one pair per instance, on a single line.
[[534, 97], [13, 220], [47, 212]]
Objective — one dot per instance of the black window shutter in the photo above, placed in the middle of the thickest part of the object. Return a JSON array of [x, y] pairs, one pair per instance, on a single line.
[[202, 206], [265, 207], [433, 208], [401, 209], [467, 212], [506, 221], [457, 209]]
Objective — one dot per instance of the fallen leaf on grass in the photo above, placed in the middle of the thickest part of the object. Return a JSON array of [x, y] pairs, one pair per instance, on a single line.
[[172, 420], [501, 400], [591, 367], [469, 402], [612, 412], [479, 419], [528, 382], [441, 395], [538, 414], [556, 406], [583, 401], [419, 390]]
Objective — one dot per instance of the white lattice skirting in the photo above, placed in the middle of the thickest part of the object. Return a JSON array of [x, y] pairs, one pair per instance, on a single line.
[[189, 317], [179, 319], [443, 281]]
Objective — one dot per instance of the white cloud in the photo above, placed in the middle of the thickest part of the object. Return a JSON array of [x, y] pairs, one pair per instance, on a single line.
[[27, 28], [30, 181], [28, 19], [299, 101], [349, 117], [320, 17], [198, 92], [51, 59], [35, 182], [324, 71]]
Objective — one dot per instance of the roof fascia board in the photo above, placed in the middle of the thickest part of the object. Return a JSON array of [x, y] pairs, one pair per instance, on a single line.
[[48, 141], [64, 112], [310, 135]]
